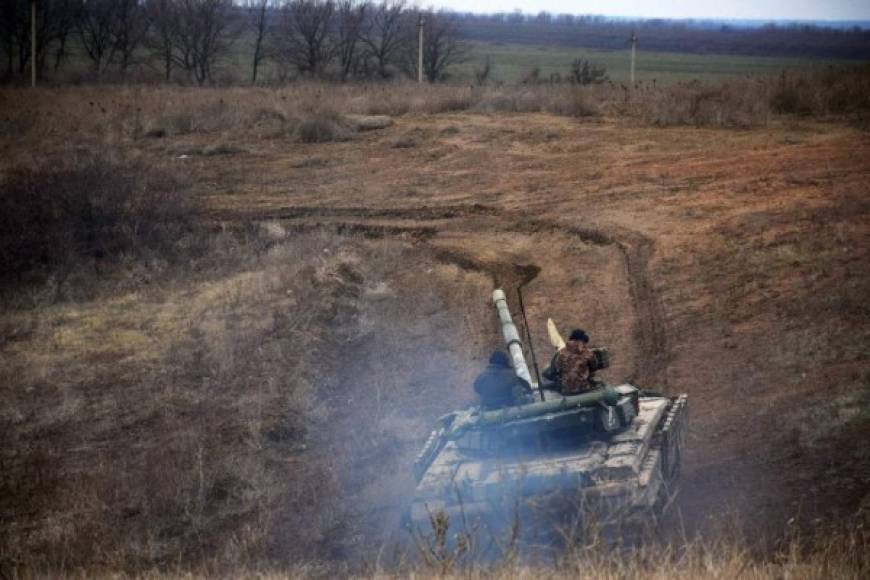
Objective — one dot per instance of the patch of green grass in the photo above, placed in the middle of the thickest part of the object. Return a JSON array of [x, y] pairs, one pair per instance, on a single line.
[[511, 62]]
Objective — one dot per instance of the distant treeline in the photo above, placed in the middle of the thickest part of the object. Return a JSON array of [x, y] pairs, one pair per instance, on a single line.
[[702, 37], [222, 41], [212, 41]]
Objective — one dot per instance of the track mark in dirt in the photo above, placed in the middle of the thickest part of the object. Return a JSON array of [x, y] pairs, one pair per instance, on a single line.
[[650, 334], [504, 274], [366, 230], [650, 328], [419, 213]]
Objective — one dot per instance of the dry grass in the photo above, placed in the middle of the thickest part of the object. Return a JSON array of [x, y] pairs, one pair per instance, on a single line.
[[241, 402], [838, 556], [155, 112], [217, 416], [56, 222]]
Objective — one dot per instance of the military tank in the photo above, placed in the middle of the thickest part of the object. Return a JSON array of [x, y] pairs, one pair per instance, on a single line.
[[615, 450]]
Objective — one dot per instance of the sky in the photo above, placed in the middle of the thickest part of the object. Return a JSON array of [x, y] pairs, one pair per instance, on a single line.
[[720, 9]]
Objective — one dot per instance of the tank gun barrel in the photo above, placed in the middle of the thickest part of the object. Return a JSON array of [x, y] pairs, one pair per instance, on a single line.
[[511, 336]]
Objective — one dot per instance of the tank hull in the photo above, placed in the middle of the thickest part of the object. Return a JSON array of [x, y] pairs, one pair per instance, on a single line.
[[629, 471]]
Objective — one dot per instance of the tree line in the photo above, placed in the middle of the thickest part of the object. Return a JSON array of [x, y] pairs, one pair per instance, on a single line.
[[664, 35], [192, 39]]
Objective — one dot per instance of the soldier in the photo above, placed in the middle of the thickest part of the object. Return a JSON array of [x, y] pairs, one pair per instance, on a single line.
[[573, 366], [499, 386]]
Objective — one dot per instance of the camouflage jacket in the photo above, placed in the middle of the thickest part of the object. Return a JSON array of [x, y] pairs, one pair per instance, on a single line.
[[572, 367]]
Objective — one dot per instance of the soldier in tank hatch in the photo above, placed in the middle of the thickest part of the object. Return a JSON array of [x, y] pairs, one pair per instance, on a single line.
[[573, 367], [499, 386]]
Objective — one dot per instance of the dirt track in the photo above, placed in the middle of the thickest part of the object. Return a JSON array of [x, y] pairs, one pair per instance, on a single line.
[[684, 250]]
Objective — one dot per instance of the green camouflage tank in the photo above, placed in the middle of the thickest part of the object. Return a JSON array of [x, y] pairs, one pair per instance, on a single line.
[[615, 448]]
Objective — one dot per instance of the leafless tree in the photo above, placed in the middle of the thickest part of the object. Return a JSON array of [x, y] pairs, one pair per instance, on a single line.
[[96, 22], [258, 19], [442, 45], [129, 30], [384, 35], [304, 40], [584, 72], [111, 31], [7, 34], [54, 19], [15, 33], [191, 35], [351, 16], [163, 15], [204, 32], [63, 17]]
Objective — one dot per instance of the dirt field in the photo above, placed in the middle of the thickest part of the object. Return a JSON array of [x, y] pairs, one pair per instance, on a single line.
[[728, 265], [731, 265]]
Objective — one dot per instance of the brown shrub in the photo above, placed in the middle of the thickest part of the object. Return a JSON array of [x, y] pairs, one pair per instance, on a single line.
[[831, 91], [50, 219], [734, 104], [322, 126]]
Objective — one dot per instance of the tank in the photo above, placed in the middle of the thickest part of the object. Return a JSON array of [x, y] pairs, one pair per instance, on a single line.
[[615, 450]]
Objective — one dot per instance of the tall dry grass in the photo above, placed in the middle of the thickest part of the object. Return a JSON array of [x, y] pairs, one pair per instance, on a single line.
[[302, 110], [245, 403], [55, 221], [838, 556]]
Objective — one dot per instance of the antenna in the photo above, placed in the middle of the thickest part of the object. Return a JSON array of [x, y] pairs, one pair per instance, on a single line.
[[531, 344]]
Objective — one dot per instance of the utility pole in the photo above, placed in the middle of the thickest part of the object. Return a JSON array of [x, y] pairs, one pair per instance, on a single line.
[[633, 54], [33, 43], [420, 49]]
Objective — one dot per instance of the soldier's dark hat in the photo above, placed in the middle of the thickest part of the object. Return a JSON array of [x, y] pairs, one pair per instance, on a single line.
[[579, 334], [499, 358]]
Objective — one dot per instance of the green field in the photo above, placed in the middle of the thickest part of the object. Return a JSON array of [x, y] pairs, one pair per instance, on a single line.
[[511, 62]]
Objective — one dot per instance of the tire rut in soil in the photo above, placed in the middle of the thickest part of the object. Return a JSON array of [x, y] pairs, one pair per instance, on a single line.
[[419, 213], [650, 334]]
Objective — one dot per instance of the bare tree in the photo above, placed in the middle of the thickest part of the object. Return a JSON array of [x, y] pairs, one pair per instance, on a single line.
[[258, 20], [130, 26], [63, 22], [351, 17], [203, 34], [163, 15], [191, 35], [96, 22], [442, 45], [8, 26], [53, 23], [15, 34], [305, 39], [584, 72], [384, 35]]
